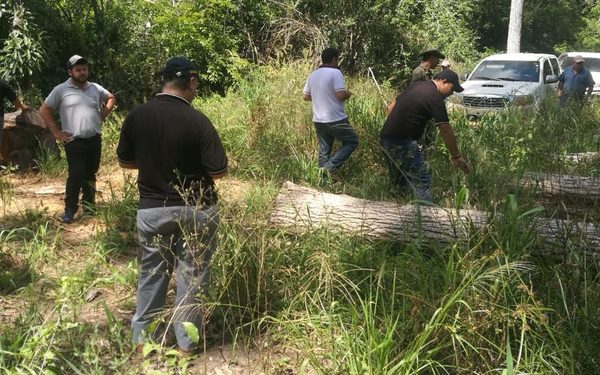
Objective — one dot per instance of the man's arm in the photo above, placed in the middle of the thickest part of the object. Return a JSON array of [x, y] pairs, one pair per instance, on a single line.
[[390, 106], [449, 139], [108, 106], [343, 95], [559, 90], [591, 84], [46, 113]]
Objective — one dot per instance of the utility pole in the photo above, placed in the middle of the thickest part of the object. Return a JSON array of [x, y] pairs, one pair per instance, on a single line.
[[513, 43]]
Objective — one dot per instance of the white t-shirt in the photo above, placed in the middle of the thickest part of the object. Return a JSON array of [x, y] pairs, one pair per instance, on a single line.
[[322, 85], [79, 108]]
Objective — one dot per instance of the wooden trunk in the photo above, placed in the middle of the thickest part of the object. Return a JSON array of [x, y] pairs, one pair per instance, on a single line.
[[300, 209], [576, 188]]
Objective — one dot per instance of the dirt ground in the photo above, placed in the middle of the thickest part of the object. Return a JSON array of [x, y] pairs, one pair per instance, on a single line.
[[34, 191]]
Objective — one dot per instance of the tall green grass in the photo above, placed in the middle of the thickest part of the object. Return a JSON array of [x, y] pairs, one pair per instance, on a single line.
[[326, 302]]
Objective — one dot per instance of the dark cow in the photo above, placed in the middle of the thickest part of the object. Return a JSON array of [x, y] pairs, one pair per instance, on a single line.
[[25, 138]]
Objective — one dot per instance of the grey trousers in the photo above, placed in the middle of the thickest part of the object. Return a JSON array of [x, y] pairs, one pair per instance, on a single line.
[[186, 234]]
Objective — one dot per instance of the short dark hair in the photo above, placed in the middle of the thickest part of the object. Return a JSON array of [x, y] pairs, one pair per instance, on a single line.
[[329, 54], [177, 82]]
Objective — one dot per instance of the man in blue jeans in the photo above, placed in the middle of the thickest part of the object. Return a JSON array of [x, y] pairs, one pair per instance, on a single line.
[[178, 154], [405, 124], [326, 89]]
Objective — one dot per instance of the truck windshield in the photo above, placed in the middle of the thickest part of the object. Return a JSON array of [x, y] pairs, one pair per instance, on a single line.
[[527, 71]]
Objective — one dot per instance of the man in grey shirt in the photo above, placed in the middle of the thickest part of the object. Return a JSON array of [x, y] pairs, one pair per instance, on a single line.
[[82, 106]]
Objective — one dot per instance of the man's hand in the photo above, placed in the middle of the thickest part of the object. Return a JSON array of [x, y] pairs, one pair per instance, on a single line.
[[461, 164], [390, 107], [105, 112], [63, 137]]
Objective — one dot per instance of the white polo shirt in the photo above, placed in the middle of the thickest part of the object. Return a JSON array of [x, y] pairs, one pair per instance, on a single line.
[[80, 109], [322, 85]]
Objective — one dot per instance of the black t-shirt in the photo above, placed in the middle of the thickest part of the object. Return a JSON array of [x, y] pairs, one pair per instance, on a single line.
[[176, 149], [419, 103], [6, 92]]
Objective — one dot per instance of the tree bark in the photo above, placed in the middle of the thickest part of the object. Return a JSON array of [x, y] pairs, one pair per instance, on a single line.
[[513, 43], [300, 209], [576, 188], [583, 157]]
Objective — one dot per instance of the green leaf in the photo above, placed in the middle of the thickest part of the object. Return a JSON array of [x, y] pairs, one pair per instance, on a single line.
[[191, 331]]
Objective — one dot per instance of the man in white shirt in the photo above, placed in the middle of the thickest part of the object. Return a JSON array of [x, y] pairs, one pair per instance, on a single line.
[[326, 89]]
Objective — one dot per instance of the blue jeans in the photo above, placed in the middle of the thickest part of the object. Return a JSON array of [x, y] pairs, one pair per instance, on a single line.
[[406, 167], [575, 101], [185, 233], [327, 133]]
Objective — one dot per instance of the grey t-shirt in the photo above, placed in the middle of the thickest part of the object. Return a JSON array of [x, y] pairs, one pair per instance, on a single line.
[[79, 108]]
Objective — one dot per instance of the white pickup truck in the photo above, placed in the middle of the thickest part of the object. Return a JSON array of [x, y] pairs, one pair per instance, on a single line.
[[498, 82]]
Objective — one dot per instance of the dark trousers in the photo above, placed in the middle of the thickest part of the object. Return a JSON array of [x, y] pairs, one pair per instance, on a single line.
[[327, 133], [83, 158], [407, 168]]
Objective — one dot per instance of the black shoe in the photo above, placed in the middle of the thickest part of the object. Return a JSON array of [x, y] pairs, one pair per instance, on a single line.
[[68, 217]]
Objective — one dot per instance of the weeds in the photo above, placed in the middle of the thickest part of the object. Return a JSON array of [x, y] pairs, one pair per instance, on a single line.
[[331, 304]]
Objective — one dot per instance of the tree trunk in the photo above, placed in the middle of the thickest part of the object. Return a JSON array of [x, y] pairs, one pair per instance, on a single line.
[[583, 157], [513, 43], [300, 209], [576, 188]]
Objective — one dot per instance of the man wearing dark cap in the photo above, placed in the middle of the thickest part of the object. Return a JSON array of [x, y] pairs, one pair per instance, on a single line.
[[429, 61], [82, 106], [405, 124], [573, 83], [326, 89], [178, 154]]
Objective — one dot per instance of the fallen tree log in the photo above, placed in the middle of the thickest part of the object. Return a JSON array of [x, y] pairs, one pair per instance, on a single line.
[[576, 188], [583, 157], [300, 209]]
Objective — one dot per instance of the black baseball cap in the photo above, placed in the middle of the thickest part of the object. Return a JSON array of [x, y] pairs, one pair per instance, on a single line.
[[432, 52], [451, 77], [74, 60], [178, 67]]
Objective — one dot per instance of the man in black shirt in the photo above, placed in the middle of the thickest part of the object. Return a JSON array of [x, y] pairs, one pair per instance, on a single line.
[[405, 124], [178, 154], [7, 92]]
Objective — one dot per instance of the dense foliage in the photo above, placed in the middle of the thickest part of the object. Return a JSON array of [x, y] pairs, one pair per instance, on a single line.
[[128, 40]]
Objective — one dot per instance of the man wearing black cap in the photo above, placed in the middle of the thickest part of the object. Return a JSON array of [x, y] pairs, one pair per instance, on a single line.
[[178, 154], [82, 106], [429, 61], [405, 124]]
